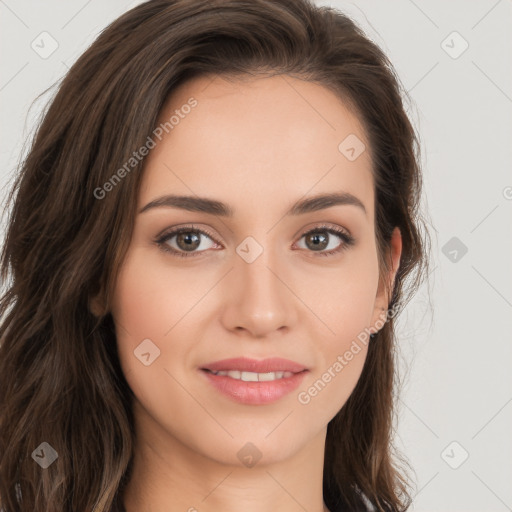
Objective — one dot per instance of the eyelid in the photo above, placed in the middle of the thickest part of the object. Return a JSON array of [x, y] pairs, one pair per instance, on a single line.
[[187, 227], [325, 226]]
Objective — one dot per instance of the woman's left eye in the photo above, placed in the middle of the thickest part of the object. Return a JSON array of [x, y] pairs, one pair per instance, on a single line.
[[321, 241], [186, 241]]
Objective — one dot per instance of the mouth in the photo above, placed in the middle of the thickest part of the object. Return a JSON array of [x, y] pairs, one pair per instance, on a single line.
[[253, 376], [276, 365], [254, 382]]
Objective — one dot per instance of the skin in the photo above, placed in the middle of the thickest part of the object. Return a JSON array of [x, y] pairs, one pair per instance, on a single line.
[[258, 145]]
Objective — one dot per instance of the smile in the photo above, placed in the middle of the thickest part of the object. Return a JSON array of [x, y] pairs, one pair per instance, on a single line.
[[253, 376]]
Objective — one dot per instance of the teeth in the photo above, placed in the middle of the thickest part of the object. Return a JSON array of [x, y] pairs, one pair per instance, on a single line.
[[247, 376], [254, 377], [270, 376]]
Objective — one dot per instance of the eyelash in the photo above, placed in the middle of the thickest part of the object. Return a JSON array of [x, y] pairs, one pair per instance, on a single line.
[[347, 239]]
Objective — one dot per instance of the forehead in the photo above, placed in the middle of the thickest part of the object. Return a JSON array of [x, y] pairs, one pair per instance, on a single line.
[[257, 140]]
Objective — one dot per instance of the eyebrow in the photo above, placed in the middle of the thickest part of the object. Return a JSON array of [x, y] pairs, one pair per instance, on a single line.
[[213, 207]]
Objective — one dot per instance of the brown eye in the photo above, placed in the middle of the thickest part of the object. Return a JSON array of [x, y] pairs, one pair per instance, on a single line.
[[326, 240], [316, 241], [186, 241]]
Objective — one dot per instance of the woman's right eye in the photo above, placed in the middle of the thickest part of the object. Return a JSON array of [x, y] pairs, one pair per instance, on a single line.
[[186, 242]]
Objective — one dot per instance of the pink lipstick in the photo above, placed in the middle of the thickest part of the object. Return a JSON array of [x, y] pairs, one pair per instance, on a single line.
[[252, 381]]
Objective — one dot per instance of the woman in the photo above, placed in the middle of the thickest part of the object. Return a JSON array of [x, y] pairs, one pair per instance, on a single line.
[[218, 210]]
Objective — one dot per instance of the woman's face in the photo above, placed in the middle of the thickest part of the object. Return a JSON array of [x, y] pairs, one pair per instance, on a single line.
[[255, 283]]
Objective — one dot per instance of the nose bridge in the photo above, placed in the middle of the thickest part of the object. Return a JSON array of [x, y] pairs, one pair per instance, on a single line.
[[259, 301]]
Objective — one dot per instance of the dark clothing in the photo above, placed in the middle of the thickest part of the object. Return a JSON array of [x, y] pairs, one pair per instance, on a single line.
[[335, 502]]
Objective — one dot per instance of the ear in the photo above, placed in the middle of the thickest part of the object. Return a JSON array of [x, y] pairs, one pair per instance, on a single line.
[[96, 306], [386, 282]]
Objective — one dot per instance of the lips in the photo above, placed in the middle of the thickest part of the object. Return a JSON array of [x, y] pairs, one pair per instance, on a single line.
[[252, 392], [244, 364], [253, 382]]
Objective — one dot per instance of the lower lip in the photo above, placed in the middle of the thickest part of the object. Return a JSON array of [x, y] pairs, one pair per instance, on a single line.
[[255, 393]]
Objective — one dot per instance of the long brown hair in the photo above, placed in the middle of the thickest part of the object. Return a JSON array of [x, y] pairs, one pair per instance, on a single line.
[[60, 378]]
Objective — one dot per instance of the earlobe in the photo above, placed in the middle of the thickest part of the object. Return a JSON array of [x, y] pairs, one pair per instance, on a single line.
[[386, 284], [396, 253], [96, 307]]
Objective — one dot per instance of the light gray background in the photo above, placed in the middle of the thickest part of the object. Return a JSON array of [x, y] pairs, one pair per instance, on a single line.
[[456, 335]]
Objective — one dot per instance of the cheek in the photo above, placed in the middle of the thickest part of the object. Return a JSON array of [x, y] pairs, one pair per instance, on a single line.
[[144, 309], [335, 376], [150, 306], [150, 298], [157, 311], [342, 297], [345, 304]]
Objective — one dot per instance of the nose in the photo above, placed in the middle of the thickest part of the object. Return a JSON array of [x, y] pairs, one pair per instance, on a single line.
[[258, 299]]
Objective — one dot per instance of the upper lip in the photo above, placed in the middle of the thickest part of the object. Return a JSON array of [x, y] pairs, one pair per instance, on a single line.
[[244, 364]]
